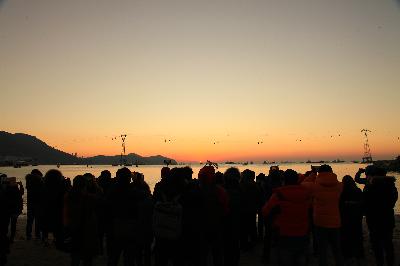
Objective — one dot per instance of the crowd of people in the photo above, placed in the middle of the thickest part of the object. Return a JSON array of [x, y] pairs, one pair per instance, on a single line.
[[210, 219]]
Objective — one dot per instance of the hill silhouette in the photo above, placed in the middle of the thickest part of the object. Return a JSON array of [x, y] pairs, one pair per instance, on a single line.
[[131, 158], [21, 146]]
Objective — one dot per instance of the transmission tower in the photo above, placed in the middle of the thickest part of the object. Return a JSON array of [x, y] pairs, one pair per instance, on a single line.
[[367, 158], [123, 156]]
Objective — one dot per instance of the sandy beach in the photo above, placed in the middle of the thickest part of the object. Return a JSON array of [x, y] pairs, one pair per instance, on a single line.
[[34, 253]]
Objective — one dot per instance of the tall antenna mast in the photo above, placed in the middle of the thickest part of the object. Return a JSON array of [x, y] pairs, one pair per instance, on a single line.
[[123, 156], [367, 158]]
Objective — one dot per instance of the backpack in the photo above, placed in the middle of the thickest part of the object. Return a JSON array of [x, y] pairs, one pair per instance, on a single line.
[[167, 219]]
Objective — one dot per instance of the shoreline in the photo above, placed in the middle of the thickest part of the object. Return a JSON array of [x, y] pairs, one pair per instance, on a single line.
[[34, 253]]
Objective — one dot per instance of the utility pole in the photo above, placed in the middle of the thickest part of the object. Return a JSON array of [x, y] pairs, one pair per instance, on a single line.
[[123, 159], [367, 158]]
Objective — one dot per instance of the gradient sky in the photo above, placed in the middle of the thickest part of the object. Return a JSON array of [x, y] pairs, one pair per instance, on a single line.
[[75, 73]]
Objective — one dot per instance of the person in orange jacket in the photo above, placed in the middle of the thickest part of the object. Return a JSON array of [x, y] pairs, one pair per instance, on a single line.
[[291, 203], [326, 191]]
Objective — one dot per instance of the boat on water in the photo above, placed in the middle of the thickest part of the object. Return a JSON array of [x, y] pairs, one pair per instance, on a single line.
[[338, 161], [19, 164]]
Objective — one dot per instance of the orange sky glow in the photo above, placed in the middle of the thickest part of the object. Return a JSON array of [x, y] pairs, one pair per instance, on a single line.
[[78, 73]]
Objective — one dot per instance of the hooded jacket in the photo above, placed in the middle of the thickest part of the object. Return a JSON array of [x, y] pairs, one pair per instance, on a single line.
[[326, 191], [294, 202]]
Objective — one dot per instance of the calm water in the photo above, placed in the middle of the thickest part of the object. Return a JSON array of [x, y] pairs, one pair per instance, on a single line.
[[152, 172]]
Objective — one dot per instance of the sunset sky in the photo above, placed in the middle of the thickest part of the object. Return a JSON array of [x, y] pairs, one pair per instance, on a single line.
[[77, 73]]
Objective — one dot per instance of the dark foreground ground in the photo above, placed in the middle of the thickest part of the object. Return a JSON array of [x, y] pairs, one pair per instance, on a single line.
[[33, 253]]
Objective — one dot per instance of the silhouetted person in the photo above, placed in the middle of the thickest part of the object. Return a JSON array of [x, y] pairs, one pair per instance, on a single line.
[[81, 220], [5, 215], [34, 190], [311, 176], [369, 171], [191, 219], [145, 215], [187, 173], [14, 192], [219, 178], [215, 208], [380, 195], [105, 182], [124, 229], [233, 218], [261, 182], [291, 204], [165, 173], [326, 190], [168, 215], [273, 181], [351, 213], [52, 206], [251, 197]]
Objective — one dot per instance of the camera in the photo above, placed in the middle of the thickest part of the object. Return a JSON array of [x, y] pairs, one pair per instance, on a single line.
[[315, 168]]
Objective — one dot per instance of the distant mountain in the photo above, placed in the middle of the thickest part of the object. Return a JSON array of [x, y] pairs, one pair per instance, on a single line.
[[20, 146], [25, 147], [131, 158]]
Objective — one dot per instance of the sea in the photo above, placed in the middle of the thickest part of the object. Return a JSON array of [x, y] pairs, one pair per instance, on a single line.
[[152, 172]]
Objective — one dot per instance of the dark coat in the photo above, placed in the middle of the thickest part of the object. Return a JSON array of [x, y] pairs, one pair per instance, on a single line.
[[130, 211], [14, 199], [34, 190], [380, 198], [351, 207], [52, 203], [81, 220], [251, 196], [232, 223]]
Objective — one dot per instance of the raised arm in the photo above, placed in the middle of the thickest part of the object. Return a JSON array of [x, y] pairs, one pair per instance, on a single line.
[[358, 177]]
